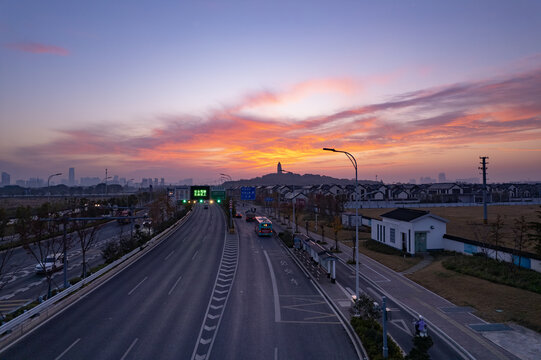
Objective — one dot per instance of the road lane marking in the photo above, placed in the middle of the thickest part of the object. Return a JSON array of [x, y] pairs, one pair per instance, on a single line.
[[194, 255], [68, 349], [174, 285], [168, 256], [136, 286], [129, 349], [275, 353], [277, 314]]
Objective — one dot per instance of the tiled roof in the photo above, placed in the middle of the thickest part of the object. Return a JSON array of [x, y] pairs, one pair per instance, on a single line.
[[404, 214]]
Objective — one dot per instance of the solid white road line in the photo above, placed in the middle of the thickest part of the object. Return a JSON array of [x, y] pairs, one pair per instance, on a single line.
[[129, 349], [194, 255], [136, 286], [277, 314], [68, 349], [275, 353], [174, 285]]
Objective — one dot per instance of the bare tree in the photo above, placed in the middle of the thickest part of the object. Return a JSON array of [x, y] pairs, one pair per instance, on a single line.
[[496, 234], [337, 226], [87, 237], [5, 255], [535, 233], [40, 245], [521, 238], [481, 232]]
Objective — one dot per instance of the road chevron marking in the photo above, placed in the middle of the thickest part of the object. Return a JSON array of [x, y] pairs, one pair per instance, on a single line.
[[224, 280]]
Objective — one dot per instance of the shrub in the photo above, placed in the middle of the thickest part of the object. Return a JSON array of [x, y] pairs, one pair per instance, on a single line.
[[495, 271], [287, 238], [382, 248], [371, 335]]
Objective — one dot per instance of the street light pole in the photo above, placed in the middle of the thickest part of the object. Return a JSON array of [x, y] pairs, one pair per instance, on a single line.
[[48, 181], [356, 255]]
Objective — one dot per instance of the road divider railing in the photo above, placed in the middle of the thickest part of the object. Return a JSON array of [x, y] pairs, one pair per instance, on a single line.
[[18, 327]]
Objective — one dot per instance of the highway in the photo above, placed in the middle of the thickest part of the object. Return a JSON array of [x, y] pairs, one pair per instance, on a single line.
[[23, 285], [200, 294]]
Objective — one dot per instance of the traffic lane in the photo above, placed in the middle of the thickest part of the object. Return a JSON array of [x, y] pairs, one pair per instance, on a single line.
[[306, 318], [430, 305], [303, 326], [400, 322], [22, 262], [131, 304], [248, 329]]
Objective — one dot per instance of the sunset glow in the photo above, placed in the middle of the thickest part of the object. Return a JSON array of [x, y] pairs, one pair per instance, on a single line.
[[142, 114]]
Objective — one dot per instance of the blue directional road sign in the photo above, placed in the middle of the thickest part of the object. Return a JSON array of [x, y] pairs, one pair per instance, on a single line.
[[269, 199], [247, 193]]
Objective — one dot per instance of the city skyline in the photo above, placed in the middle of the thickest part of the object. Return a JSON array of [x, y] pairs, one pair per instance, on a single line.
[[192, 90]]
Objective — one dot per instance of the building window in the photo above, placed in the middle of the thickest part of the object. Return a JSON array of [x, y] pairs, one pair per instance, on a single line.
[[383, 229], [392, 235]]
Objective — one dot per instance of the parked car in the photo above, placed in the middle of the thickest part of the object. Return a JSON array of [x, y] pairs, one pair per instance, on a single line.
[[51, 263], [238, 215]]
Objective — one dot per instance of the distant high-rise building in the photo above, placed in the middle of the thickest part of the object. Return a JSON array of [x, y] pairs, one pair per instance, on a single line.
[[279, 169], [412, 181], [441, 177], [162, 182], [186, 182], [426, 180], [71, 179], [6, 179], [155, 182]]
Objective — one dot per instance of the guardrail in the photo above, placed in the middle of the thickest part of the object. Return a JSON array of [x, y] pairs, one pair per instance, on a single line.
[[35, 311]]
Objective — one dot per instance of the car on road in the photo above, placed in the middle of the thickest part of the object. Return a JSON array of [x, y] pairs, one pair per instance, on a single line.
[[206, 206], [238, 215], [51, 263]]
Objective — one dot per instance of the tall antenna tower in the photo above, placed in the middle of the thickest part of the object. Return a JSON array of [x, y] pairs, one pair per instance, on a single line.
[[483, 167]]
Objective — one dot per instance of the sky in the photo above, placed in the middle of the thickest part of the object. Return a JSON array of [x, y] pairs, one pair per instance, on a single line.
[[195, 89]]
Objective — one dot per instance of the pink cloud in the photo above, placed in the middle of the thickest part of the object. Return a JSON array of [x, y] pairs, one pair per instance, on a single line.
[[435, 120], [37, 48]]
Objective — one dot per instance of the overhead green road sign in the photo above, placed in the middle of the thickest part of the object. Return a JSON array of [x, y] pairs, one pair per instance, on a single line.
[[200, 193], [217, 195]]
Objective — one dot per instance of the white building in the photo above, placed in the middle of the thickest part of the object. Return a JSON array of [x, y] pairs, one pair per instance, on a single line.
[[409, 230]]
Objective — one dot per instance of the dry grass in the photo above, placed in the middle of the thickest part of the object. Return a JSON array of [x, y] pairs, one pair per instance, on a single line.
[[520, 306], [467, 222]]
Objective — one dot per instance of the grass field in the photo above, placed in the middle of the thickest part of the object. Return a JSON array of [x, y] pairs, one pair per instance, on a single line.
[[493, 302], [467, 222]]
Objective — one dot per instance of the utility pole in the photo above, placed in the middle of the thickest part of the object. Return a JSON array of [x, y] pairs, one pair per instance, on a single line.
[[484, 169], [105, 182]]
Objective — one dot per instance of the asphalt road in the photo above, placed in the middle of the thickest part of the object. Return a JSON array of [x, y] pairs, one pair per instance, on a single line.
[[275, 312], [200, 294], [22, 285]]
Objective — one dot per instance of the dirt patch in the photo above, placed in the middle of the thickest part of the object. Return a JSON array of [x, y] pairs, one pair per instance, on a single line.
[[493, 302]]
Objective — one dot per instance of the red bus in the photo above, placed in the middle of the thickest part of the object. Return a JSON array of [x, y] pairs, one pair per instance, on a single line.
[[263, 226]]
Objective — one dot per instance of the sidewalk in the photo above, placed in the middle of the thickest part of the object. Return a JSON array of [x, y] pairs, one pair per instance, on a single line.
[[481, 339]]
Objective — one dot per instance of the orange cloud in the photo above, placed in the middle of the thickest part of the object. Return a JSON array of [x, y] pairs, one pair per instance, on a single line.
[[37, 48], [410, 126]]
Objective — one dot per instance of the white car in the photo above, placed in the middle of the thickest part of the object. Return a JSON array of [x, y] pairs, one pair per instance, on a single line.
[[51, 263]]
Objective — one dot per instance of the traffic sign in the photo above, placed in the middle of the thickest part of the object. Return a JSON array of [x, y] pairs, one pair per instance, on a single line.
[[247, 193]]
